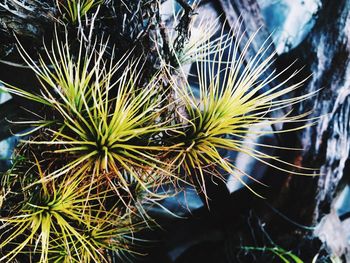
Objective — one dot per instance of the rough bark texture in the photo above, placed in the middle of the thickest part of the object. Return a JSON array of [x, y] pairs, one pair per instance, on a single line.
[[26, 19], [309, 201], [327, 51]]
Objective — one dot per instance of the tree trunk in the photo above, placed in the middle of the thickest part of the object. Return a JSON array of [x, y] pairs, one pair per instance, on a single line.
[[326, 145], [327, 51]]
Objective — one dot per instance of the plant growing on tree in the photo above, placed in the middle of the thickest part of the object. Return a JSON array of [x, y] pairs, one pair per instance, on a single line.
[[113, 139]]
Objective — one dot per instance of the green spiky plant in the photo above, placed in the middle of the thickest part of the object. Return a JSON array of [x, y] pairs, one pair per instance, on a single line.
[[111, 143], [232, 99], [105, 126], [282, 254], [77, 9], [62, 219], [96, 124]]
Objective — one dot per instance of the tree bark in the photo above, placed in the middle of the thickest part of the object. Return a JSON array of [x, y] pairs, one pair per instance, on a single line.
[[328, 142], [326, 145]]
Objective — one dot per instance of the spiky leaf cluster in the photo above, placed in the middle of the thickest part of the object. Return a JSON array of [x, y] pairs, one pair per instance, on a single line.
[[232, 99], [70, 219]]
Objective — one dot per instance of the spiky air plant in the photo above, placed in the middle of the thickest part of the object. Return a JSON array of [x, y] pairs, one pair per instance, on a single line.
[[233, 98], [101, 120], [65, 220], [75, 10]]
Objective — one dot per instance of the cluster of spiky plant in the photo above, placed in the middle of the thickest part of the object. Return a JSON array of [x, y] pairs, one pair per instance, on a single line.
[[97, 163], [102, 119], [232, 98], [70, 219], [109, 143]]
